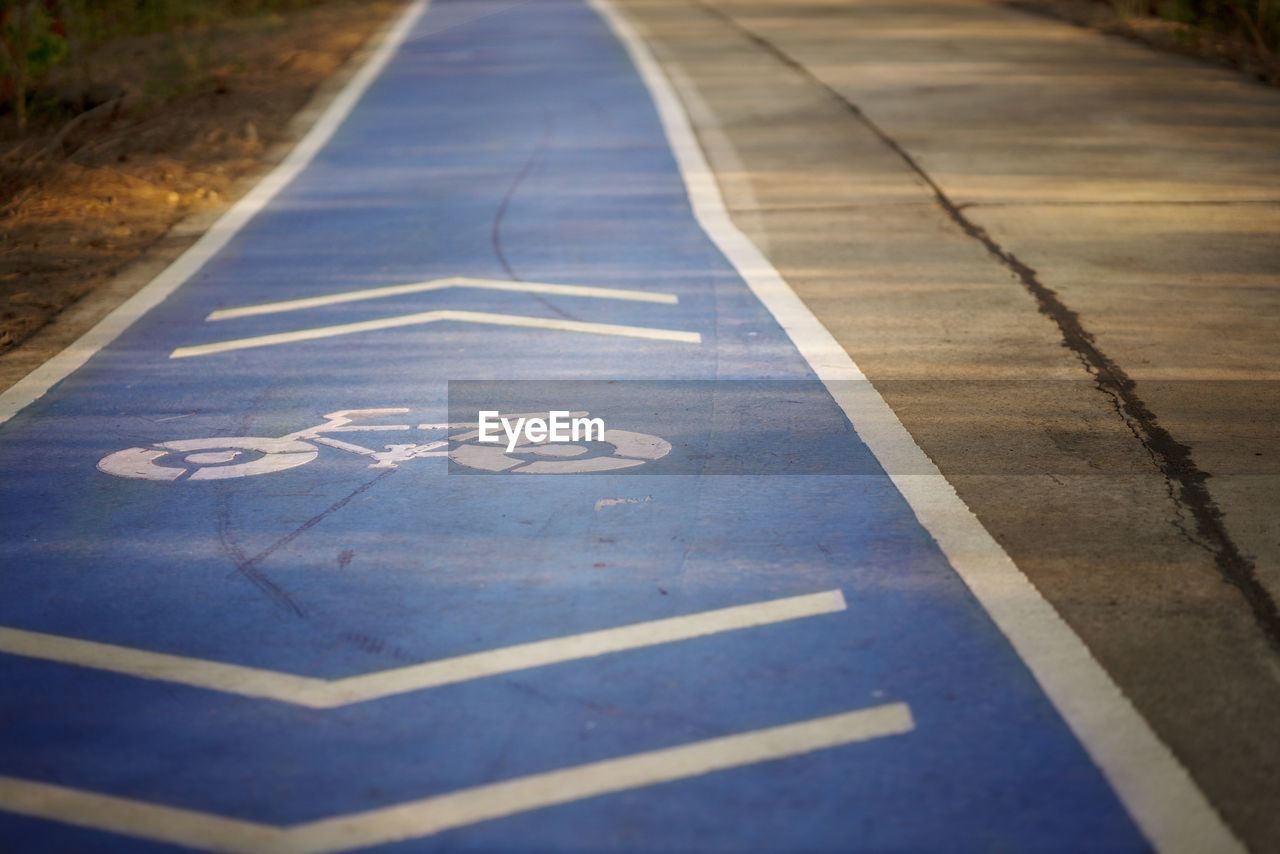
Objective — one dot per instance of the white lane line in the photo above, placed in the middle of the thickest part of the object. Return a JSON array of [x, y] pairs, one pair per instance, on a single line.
[[469, 806], [440, 285], [187, 828], [33, 386], [1155, 788], [419, 818], [325, 694], [434, 317]]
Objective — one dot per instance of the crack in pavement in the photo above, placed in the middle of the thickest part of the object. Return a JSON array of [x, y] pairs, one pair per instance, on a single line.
[[495, 229], [248, 566], [1185, 480], [245, 565], [319, 517]]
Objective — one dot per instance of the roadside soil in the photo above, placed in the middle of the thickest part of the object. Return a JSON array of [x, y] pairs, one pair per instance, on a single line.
[[181, 117], [1168, 36]]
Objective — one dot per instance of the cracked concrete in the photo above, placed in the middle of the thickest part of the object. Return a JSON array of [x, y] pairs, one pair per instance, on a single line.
[[1141, 191]]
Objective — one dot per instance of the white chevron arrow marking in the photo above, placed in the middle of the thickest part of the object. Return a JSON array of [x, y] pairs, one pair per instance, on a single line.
[[426, 816], [440, 285], [325, 694]]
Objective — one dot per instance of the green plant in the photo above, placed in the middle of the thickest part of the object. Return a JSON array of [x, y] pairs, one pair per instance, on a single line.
[[1133, 8], [36, 35], [29, 46], [1259, 24], [1257, 21]]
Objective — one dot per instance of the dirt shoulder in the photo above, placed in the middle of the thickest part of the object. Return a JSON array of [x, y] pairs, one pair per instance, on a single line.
[[1169, 36], [181, 120]]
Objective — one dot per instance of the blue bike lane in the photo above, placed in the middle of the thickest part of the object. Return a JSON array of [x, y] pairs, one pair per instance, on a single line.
[[301, 627]]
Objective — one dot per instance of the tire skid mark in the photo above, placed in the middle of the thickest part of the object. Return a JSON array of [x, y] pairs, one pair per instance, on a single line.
[[495, 230]]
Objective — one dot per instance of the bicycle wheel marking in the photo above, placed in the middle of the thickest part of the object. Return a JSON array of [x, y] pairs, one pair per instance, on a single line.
[[202, 464], [630, 449]]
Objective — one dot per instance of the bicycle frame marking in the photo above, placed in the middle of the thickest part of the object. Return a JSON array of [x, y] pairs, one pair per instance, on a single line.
[[215, 458]]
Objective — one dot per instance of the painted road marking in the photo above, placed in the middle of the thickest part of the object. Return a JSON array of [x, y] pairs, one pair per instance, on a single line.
[[629, 449], [277, 455], [329, 694], [286, 452], [440, 285], [432, 317], [393, 454], [427, 816]]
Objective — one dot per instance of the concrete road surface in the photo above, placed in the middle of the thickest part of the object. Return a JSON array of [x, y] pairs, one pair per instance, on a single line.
[[1057, 255]]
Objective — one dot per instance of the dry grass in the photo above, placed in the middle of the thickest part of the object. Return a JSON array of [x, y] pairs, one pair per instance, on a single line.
[[81, 196], [1223, 39]]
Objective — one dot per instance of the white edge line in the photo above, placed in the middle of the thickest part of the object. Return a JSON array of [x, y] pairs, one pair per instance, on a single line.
[[427, 816], [1157, 791], [440, 285], [33, 386], [324, 694], [150, 821], [586, 645], [485, 317], [522, 794]]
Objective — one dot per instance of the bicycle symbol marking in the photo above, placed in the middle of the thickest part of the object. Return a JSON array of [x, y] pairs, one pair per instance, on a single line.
[[224, 458]]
